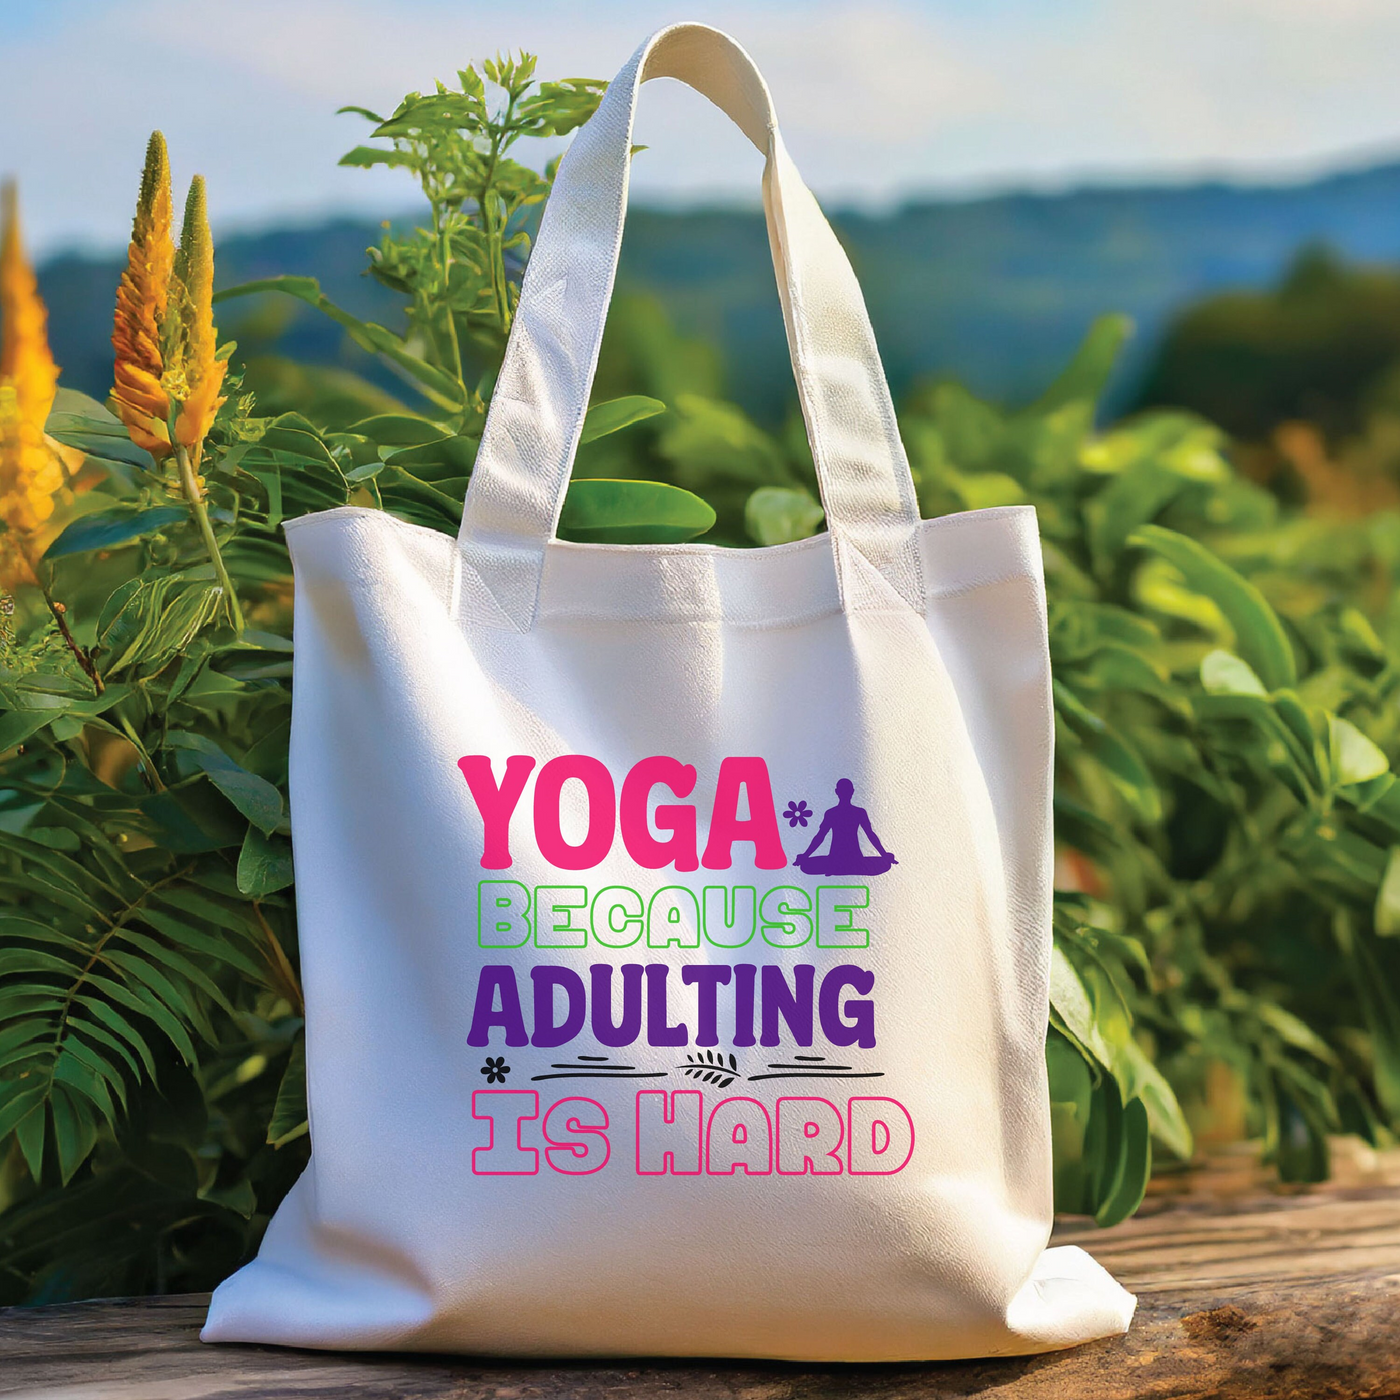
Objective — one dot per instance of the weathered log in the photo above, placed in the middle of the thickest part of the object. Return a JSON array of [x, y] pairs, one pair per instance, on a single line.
[[1269, 1296]]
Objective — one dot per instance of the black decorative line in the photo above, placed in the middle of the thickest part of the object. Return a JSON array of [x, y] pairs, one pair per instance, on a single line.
[[573, 1064], [602, 1074], [809, 1057], [811, 1069], [821, 1074]]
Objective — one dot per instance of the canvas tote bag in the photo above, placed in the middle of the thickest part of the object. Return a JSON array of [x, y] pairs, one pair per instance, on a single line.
[[674, 920]]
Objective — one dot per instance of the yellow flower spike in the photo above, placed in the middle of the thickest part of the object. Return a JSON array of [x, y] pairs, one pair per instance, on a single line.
[[194, 372], [30, 471], [203, 371], [140, 399]]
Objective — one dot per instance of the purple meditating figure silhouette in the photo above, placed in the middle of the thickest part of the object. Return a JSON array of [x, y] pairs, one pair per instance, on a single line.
[[844, 823]]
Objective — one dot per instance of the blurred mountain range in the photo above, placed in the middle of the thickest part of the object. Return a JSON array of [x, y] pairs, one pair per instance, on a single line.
[[993, 291]]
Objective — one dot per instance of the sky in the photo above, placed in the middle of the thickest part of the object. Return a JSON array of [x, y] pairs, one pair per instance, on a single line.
[[880, 100]]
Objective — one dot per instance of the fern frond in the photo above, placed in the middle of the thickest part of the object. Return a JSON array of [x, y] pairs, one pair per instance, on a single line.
[[96, 973]]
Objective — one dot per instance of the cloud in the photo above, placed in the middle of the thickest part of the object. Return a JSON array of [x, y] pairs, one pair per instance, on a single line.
[[877, 98]]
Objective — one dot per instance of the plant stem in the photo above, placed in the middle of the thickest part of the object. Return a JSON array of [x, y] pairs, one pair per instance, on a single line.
[[495, 236], [284, 978], [148, 768], [115, 924], [441, 227], [83, 659], [190, 486]]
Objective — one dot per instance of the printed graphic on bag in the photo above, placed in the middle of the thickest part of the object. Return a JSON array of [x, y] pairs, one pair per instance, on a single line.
[[741, 1005]]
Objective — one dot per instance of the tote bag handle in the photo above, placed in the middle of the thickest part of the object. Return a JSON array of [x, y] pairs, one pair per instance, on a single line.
[[532, 431]]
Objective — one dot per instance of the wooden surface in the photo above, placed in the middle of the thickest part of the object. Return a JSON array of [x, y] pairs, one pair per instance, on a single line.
[[1242, 1293]]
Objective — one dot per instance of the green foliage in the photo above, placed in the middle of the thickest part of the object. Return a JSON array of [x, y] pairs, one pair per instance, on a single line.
[[456, 145], [460, 276], [1225, 677], [152, 1068], [1226, 957]]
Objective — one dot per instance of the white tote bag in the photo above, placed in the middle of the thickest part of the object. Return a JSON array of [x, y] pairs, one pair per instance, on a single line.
[[675, 920]]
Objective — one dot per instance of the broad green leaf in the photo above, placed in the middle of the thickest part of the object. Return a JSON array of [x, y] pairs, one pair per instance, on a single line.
[[1225, 674], [16, 1102], [1136, 1155], [1071, 1096], [450, 457], [31, 1136], [238, 1197], [1147, 1085], [1387, 912], [616, 414], [106, 529], [106, 1072], [1086, 374], [154, 621], [1105, 1149], [98, 442], [70, 1070], [1355, 759], [439, 387], [255, 797], [632, 512], [288, 1120], [1119, 762], [1072, 1003], [782, 514], [73, 403], [364, 157], [1259, 635], [986, 490], [264, 864], [17, 960], [1128, 501], [710, 443], [1159, 588], [18, 1034], [74, 1130], [19, 725], [1295, 1032], [398, 430]]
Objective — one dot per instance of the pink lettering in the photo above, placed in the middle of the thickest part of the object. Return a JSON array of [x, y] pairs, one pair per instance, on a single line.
[[574, 1128], [760, 826], [496, 804], [668, 1132], [881, 1137], [549, 836], [810, 1132], [678, 819], [508, 1107], [739, 1139]]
